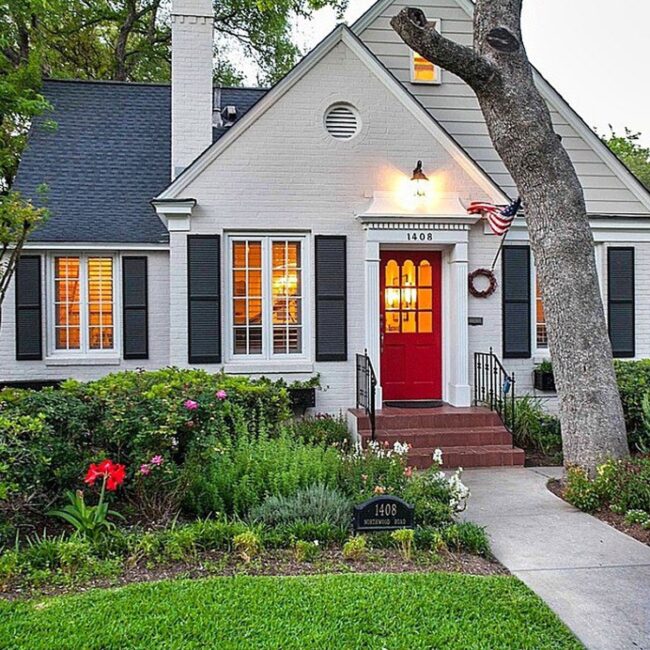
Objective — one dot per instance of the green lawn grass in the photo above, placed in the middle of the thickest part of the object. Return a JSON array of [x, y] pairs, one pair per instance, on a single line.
[[410, 611]]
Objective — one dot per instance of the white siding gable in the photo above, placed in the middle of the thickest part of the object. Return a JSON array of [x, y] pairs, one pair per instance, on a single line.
[[608, 187]]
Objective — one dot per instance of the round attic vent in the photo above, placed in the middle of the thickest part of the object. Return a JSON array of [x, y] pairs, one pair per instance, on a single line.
[[342, 121]]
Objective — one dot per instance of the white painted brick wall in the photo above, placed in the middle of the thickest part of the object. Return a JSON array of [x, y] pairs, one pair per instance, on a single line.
[[192, 52], [12, 370], [285, 173]]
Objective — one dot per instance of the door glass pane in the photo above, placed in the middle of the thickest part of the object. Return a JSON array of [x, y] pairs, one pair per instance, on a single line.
[[392, 322], [424, 273], [392, 274], [425, 322], [425, 297], [409, 325]]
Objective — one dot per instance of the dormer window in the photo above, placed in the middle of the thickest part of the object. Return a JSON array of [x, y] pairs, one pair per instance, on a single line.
[[423, 71]]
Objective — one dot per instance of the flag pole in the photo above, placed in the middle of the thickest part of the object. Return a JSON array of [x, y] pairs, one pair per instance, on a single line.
[[496, 257]]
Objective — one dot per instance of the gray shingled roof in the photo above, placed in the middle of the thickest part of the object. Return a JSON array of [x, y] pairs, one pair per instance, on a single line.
[[106, 158]]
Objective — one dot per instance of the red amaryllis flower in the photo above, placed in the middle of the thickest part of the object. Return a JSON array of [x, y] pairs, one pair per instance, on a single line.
[[116, 477], [107, 469]]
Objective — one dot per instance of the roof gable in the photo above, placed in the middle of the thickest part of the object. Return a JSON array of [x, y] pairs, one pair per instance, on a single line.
[[610, 188], [341, 34]]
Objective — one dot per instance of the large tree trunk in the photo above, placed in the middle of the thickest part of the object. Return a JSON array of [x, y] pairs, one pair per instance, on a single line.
[[520, 126]]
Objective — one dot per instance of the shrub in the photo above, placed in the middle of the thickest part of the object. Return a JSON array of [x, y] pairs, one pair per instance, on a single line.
[[284, 536], [404, 541], [356, 548], [374, 469], [314, 504], [248, 544], [624, 484], [534, 428], [240, 474], [580, 491], [466, 536], [306, 551], [435, 496], [633, 378], [323, 429]]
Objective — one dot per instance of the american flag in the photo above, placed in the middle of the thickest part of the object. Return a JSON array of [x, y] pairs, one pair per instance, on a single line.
[[500, 217]]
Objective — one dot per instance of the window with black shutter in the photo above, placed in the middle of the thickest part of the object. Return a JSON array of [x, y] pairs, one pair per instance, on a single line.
[[135, 308], [204, 298], [516, 302], [29, 331], [620, 300], [331, 298]]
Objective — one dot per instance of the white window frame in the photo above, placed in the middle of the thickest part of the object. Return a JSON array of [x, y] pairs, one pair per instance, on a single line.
[[537, 349], [84, 352], [268, 356], [438, 70]]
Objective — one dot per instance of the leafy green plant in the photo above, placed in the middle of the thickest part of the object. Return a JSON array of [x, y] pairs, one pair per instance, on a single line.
[[466, 536], [545, 366], [633, 379], [92, 521], [534, 428], [248, 544], [356, 548], [323, 429], [580, 490], [314, 504], [640, 517], [404, 540], [306, 551]]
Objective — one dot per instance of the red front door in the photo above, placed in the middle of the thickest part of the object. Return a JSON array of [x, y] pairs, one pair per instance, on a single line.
[[411, 324]]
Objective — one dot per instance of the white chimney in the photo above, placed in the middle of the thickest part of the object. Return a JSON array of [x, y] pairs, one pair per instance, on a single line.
[[192, 52]]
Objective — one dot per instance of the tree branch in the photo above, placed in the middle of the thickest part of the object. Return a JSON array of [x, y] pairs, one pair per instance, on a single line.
[[412, 26]]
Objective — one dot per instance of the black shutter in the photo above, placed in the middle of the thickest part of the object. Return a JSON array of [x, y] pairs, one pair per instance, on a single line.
[[620, 300], [29, 344], [516, 302], [331, 298], [204, 298], [135, 308]]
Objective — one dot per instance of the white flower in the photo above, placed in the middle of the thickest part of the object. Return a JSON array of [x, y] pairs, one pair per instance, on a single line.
[[315, 542], [437, 456], [401, 448]]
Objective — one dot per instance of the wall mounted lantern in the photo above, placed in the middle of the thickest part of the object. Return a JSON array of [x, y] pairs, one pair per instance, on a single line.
[[420, 180]]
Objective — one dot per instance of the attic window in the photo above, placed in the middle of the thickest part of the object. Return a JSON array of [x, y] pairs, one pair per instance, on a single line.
[[342, 121], [423, 71]]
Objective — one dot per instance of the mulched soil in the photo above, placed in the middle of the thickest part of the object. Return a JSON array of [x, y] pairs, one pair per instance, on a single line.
[[605, 514], [281, 562], [536, 458]]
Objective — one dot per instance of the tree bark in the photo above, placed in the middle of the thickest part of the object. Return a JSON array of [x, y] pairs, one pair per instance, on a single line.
[[520, 126]]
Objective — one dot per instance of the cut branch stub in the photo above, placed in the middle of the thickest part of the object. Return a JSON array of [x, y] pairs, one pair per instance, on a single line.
[[502, 40]]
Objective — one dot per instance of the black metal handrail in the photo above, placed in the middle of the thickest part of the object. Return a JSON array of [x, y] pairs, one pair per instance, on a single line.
[[494, 387], [366, 388]]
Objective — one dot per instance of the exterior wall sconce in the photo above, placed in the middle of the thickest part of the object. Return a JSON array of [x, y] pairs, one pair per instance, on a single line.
[[420, 180]]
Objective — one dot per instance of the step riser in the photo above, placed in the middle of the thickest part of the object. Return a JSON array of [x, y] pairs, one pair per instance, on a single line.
[[441, 421], [443, 438], [514, 457]]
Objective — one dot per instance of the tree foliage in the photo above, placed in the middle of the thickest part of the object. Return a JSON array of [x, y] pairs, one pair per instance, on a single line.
[[130, 39], [628, 149]]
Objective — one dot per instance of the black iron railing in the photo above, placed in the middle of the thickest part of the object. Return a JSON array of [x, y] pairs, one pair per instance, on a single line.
[[494, 387], [366, 388]]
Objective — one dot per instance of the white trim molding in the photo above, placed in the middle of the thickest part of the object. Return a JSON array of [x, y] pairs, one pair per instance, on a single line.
[[176, 213]]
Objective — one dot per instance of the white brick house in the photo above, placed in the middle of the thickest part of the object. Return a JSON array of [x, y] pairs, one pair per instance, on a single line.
[[283, 236]]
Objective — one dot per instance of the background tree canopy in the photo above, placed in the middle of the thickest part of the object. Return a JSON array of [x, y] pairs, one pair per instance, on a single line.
[[628, 149], [127, 40]]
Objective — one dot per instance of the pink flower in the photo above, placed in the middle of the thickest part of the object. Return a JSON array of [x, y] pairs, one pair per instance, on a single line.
[[191, 405], [408, 472], [364, 477], [145, 470], [222, 395], [157, 460]]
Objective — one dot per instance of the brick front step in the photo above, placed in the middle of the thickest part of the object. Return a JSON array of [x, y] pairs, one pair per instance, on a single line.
[[443, 418], [475, 456], [432, 438], [468, 437]]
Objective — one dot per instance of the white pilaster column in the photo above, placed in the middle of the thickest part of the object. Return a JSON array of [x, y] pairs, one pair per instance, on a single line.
[[373, 328], [459, 391]]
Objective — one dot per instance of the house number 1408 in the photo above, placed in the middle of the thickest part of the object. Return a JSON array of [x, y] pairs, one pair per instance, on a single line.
[[386, 510], [419, 236]]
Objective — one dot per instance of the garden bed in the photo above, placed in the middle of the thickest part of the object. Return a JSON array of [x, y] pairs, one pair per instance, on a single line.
[[615, 520], [280, 562], [442, 611]]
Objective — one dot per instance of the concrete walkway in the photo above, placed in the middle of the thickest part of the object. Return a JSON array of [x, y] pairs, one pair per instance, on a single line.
[[595, 578]]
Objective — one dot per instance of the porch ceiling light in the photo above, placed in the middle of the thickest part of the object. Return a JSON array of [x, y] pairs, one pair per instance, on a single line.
[[419, 180]]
